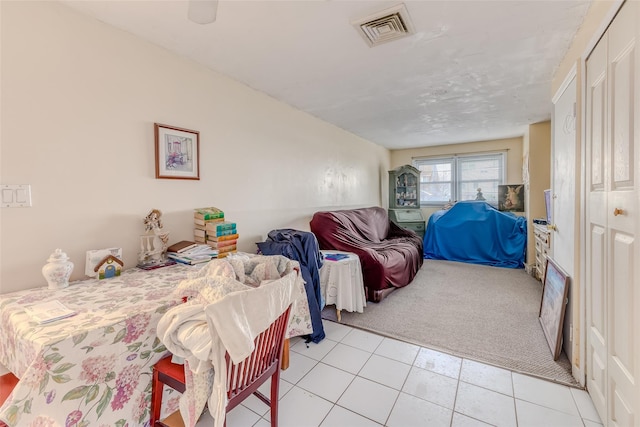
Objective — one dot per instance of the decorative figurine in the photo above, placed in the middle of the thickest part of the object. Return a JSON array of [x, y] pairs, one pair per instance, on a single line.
[[152, 221], [479, 196], [153, 245], [109, 267], [57, 270], [97, 256]]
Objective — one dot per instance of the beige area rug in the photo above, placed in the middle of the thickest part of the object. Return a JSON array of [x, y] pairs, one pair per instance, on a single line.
[[487, 314]]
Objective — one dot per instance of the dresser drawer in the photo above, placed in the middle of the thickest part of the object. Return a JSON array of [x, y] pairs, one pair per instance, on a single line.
[[417, 227], [542, 237]]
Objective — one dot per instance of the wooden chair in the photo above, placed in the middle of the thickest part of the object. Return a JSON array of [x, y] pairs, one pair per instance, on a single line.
[[7, 384], [243, 379]]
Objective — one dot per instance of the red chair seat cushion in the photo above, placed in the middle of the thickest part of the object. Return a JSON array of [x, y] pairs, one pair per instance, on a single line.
[[7, 384]]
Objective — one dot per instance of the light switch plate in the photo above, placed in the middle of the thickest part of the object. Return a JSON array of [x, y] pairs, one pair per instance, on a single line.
[[16, 196]]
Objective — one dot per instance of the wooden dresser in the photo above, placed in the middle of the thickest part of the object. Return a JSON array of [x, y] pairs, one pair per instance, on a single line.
[[543, 248]]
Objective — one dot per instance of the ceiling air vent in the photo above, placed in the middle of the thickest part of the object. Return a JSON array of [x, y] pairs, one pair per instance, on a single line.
[[385, 26]]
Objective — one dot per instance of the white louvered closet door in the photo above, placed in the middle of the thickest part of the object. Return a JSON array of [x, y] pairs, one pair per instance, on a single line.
[[613, 221]]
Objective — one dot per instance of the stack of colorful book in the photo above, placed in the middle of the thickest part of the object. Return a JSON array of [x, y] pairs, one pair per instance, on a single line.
[[212, 228], [222, 236], [201, 217]]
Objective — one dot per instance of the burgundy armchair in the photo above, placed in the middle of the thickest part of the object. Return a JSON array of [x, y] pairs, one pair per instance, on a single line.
[[390, 256]]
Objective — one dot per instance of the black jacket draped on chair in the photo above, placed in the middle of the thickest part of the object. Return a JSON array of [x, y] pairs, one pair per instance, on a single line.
[[301, 246]]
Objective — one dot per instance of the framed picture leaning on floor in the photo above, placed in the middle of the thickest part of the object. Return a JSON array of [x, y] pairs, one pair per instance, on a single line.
[[553, 305]]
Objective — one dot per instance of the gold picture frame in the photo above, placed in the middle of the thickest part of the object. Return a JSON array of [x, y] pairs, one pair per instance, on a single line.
[[177, 152]]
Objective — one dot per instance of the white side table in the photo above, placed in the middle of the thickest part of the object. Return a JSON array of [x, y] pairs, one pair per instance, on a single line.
[[341, 283]]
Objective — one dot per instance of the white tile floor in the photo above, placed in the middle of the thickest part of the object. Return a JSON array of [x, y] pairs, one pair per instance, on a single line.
[[355, 378]]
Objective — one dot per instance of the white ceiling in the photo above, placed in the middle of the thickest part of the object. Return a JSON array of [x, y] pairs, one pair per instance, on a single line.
[[474, 70]]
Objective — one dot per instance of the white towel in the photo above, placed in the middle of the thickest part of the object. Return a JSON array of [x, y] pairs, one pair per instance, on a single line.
[[235, 322], [222, 315]]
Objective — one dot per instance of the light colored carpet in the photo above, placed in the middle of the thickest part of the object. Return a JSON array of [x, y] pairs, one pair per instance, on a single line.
[[487, 314]]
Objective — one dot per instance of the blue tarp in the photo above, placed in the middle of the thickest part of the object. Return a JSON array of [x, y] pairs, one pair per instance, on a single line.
[[478, 233]]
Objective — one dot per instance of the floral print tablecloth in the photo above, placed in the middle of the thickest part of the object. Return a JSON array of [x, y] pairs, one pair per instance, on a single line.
[[92, 369], [95, 368]]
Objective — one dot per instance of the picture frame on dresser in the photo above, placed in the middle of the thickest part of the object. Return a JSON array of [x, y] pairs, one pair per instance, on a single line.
[[553, 305], [177, 152], [547, 205]]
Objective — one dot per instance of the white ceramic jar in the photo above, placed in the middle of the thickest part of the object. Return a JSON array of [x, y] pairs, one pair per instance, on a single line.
[[57, 270]]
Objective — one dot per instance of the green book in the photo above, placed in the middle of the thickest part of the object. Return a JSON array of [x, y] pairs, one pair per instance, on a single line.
[[214, 227], [206, 214], [223, 232]]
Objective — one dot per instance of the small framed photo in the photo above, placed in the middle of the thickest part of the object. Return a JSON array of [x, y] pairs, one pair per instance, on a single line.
[[547, 204], [177, 152]]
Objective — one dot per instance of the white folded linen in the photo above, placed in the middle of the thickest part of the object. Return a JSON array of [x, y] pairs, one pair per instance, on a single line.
[[235, 322], [223, 315]]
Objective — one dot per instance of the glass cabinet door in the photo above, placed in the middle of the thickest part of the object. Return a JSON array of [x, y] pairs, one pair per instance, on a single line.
[[404, 188]]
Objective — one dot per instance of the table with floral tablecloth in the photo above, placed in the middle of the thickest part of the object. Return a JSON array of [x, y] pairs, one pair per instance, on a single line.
[[92, 369]]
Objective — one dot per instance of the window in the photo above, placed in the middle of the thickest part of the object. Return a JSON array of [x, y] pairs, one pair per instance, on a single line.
[[459, 177]]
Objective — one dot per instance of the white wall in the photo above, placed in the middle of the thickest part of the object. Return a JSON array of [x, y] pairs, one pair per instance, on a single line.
[[79, 100]]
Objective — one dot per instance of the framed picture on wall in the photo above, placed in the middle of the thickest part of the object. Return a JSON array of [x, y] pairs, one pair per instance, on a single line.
[[553, 305], [177, 152], [511, 198]]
